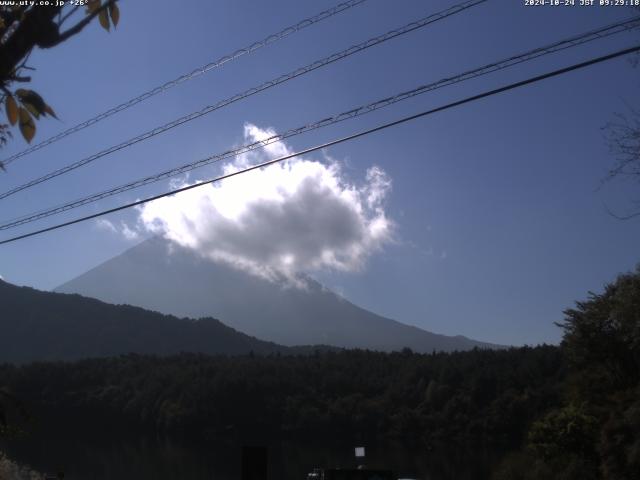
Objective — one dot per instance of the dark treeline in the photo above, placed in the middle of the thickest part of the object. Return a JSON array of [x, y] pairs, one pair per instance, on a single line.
[[489, 395], [569, 412]]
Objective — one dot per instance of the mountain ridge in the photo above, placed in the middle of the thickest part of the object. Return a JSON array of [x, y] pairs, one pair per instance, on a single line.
[[163, 277], [45, 326]]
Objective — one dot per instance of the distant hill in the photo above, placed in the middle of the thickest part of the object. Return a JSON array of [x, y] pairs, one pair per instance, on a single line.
[[167, 278], [36, 325]]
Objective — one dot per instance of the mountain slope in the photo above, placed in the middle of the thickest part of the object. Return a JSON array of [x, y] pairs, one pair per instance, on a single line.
[[173, 280], [36, 325]]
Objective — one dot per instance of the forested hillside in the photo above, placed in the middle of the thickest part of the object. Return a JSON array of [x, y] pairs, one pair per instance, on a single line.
[[36, 325]]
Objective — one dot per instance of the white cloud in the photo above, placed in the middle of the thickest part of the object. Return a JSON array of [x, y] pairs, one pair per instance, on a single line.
[[300, 215], [124, 229], [129, 233], [104, 224]]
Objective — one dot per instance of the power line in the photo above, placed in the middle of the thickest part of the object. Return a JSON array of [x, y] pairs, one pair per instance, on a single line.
[[570, 42], [448, 106], [341, 7], [252, 91]]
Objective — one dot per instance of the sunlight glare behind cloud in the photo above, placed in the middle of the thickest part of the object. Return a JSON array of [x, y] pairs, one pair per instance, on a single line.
[[300, 215]]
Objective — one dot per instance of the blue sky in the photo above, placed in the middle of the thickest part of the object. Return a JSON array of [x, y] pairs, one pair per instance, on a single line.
[[500, 224]]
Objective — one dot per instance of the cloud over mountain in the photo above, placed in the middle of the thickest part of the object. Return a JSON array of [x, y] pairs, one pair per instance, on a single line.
[[300, 215]]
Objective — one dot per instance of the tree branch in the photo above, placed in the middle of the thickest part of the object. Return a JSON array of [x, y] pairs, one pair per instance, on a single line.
[[38, 28], [78, 27], [27, 35], [620, 217], [69, 13]]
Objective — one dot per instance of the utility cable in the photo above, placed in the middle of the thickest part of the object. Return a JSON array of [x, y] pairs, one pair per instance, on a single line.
[[341, 7], [573, 41], [363, 133], [252, 91]]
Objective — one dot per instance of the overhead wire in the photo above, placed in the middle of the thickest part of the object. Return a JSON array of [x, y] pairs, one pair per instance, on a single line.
[[339, 8], [410, 27], [573, 41], [362, 133]]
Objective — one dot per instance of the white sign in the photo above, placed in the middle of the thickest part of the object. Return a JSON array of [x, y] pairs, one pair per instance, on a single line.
[[359, 451]]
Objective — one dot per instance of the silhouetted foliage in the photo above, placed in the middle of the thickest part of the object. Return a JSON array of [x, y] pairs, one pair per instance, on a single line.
[[485, 395], [602, 336], [623, 138], [595, 432], [28, 25]]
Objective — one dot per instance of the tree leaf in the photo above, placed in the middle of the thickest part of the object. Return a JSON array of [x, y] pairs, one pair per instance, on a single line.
[[27, 125], [103, 16], [33, 110], [12, 109], [50, 111], [114, 11], [92, 6], [32, 101]]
